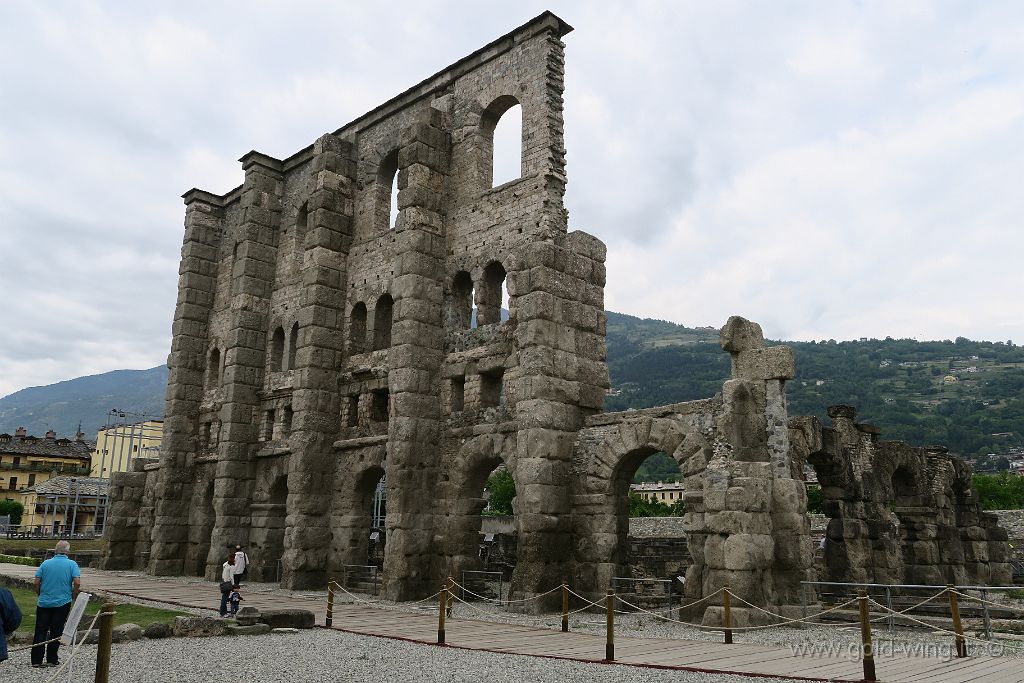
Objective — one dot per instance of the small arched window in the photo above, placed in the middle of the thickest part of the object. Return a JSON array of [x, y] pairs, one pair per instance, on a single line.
[[357, 329], [213, 369], [462, 301], [387, 192], [490, 294], [382, 314], [277, 350], [501, 132], [293, 345]]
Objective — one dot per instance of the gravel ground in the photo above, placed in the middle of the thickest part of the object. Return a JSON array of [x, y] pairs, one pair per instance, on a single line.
[[321, 655]]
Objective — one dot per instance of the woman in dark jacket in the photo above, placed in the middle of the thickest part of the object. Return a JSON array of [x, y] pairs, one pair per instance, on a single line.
[[10, 619]]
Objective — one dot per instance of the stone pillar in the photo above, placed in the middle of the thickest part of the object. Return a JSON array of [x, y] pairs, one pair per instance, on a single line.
[[315, 398], [204, 226], [412, 567], [122, 537], [245, 354], [753, 479], [557, 293]]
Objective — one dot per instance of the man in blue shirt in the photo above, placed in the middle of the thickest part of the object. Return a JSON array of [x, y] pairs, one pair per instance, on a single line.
[[57, 582]]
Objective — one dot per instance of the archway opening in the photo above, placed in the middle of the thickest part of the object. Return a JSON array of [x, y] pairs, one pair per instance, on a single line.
[[357, 329], [483, 527], [648, 483], [461, 307], [277, 350], [293, 345], [267, 533], [903, 511], [359, 530], [387, 192], [213, 369], [382, 318], [490, 294], [501, 132]]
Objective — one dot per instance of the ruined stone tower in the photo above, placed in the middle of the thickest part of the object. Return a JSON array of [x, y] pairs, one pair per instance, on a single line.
[[317, 348]]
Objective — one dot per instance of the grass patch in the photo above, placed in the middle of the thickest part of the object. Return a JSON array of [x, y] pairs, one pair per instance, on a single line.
[[126, 614], [49, 543]]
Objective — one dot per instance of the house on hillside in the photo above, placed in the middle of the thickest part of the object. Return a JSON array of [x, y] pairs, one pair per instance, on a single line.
[[667, 492]]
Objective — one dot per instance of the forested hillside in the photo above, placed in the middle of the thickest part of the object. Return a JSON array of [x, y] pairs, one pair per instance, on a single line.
[[964, 394]]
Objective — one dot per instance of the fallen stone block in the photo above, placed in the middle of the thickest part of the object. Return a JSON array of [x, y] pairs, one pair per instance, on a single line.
[[126, 633], [287, 618], [185, 627], [157, 630], [247, 616], [253, 630]]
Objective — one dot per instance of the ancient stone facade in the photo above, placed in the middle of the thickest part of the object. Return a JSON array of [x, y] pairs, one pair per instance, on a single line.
[[897, 513], [317, 349]]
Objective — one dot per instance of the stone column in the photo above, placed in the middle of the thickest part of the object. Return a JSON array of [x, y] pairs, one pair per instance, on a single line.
[[245, 353], [412, 567], [315, 397], [557, 291], [204, 226]]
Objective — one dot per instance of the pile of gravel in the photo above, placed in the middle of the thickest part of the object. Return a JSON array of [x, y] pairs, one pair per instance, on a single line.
[[321, 655]]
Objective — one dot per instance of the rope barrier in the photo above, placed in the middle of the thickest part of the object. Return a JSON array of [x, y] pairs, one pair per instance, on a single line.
[[948, 632], [75, 647], [786, 620], [913, 607], [983, 601], [505, 602], [383, 603]]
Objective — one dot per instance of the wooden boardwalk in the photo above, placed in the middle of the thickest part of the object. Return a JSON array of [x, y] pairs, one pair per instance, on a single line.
[[752, 660]]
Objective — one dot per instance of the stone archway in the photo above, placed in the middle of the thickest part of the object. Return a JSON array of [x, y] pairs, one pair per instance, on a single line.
[[352, 509], [604, 461], [266, 539], [464, 481]]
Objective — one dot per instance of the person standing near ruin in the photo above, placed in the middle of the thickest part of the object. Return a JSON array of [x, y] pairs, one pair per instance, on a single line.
[[241, 566], [227, 577], [58, 581], [10, 619]]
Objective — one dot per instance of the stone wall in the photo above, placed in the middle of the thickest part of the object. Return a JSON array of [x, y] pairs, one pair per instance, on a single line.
[[318, 349]]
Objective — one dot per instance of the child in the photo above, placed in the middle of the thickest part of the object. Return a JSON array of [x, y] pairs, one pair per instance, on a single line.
[[234, 599]]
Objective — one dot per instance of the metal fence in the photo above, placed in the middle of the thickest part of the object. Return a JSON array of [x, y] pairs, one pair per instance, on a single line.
[[646, 593], [364, 578], [922, 600], [477, 585]]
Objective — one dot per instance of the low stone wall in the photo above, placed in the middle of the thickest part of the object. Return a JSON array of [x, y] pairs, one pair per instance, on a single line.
[[656, 527]]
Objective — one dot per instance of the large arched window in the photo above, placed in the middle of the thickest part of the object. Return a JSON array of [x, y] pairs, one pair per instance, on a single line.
[[501, 132], [357, 329], [461, 301], [277, 350], [293, 345], [382, 314], [490, 294], [386, 192]]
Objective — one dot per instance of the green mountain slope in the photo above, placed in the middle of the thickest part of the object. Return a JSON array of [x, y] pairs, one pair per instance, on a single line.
[[86, 400], [964, 394]]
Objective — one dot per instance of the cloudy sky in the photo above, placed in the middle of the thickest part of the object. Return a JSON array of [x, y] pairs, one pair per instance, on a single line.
[[829, 169]]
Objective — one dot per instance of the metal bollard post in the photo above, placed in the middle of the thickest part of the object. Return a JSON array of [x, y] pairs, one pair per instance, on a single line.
[[727, 615], [103, 653], [565, 608], [442, 606], [985, 614], [330, 603], [865, 637], [888, 603], [609, 647], [958, 627]]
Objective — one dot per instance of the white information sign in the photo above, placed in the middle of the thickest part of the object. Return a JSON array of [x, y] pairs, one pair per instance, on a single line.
[[71, 625]]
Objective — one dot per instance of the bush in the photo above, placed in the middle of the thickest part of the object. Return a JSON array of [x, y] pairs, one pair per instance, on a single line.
[[12, 508], [18, 559]]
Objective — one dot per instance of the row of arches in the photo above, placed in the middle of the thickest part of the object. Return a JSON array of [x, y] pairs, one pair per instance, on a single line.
[[501, 153], [488, 296], [360, 337], [279, 360]]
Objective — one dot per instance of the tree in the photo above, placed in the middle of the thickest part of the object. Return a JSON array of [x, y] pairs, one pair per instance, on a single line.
[[12, 508], [502, 488], [814, 499]]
